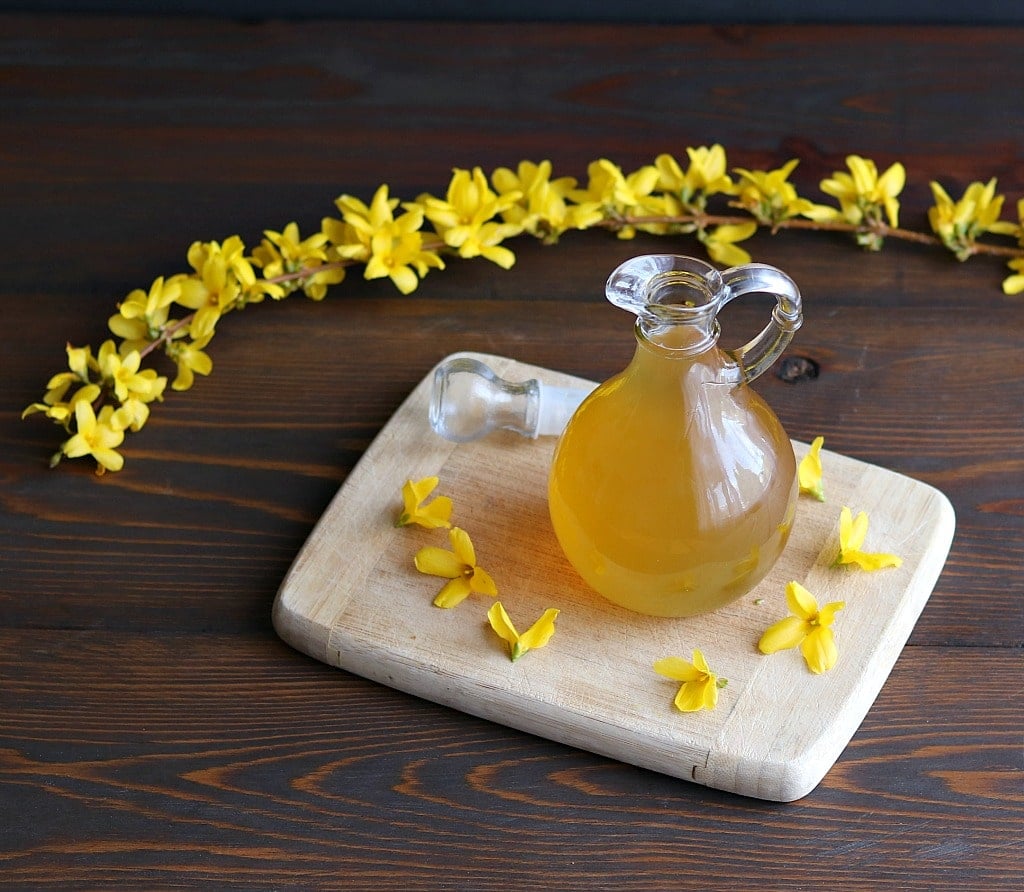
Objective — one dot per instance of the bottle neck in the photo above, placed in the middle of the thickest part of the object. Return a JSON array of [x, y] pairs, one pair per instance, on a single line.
[[676, 340], [690, 351]]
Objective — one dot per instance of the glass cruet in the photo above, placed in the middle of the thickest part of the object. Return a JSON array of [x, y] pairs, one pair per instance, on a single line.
[[673, 487]]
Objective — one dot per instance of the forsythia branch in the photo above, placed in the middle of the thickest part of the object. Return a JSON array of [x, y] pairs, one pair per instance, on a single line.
[[104, 395]]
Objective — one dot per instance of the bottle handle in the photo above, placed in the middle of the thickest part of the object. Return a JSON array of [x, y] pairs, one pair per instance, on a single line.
[[756, 356]]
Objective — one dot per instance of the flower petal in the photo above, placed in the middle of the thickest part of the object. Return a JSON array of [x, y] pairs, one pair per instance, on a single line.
[[677, 669], [873, 560], [421, 488], [403, 278], [501, 623], [828, 613], [734, 232], [690, 697], [540, 632], [822, 213], [439, 562], [800, 601], [784, 634], [432, 516], [1013, 284], [435, 515], [711, 692], [109, 459], [859, 530], [503, 257], [865, 174], [851, 536], [726, 254], [481, 582], [809, 471], [819, 650], [462, 545], [453, 593], [851, 531], [893, 180]]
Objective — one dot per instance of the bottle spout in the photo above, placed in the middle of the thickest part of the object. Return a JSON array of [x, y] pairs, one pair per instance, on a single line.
[[675, 299], [665, 287]]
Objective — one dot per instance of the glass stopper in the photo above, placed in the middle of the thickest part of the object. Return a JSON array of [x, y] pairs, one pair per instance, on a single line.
[[469, 400]]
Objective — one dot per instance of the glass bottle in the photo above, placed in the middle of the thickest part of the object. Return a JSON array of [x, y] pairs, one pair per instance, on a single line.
[[673, 487]]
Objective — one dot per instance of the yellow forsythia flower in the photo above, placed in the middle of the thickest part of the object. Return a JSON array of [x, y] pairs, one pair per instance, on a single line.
[[224, 280], [96, 436], [283, 253], [705, 176], [190, 360], [768, 194], [142, 316], [864, 195], [959, 223], [851, 537], [465, 218], [536, 636], [866, 200], [459, 566], [398, 253], [433, 515], [56, 405], [543, 210], [617, 193], [121, 372], [721, 243], [351, 237], [1014, 284], [133, 414], [809, 471], [809, 627], [389, 246], [699, 689]]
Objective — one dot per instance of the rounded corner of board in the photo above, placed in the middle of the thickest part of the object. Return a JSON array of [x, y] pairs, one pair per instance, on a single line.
[[298, 630]]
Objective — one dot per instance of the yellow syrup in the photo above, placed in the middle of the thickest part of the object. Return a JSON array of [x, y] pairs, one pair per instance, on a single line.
[[673, 488]]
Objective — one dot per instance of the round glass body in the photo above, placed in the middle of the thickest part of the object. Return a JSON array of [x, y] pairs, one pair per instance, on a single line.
[[673, 487]]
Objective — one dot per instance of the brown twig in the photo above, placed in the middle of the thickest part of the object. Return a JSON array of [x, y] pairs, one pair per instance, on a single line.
[[879, 229]]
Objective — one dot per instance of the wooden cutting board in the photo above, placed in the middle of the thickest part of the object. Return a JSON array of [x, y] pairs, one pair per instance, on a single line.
[[354, 600]]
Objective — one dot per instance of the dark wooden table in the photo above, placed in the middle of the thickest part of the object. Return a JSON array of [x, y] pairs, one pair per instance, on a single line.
[[154, 732]]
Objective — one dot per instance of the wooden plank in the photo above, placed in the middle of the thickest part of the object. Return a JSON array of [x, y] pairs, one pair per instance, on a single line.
[[223, 761], [354, 600]]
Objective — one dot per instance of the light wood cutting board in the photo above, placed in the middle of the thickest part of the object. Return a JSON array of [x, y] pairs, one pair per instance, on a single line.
[[354, 600]]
